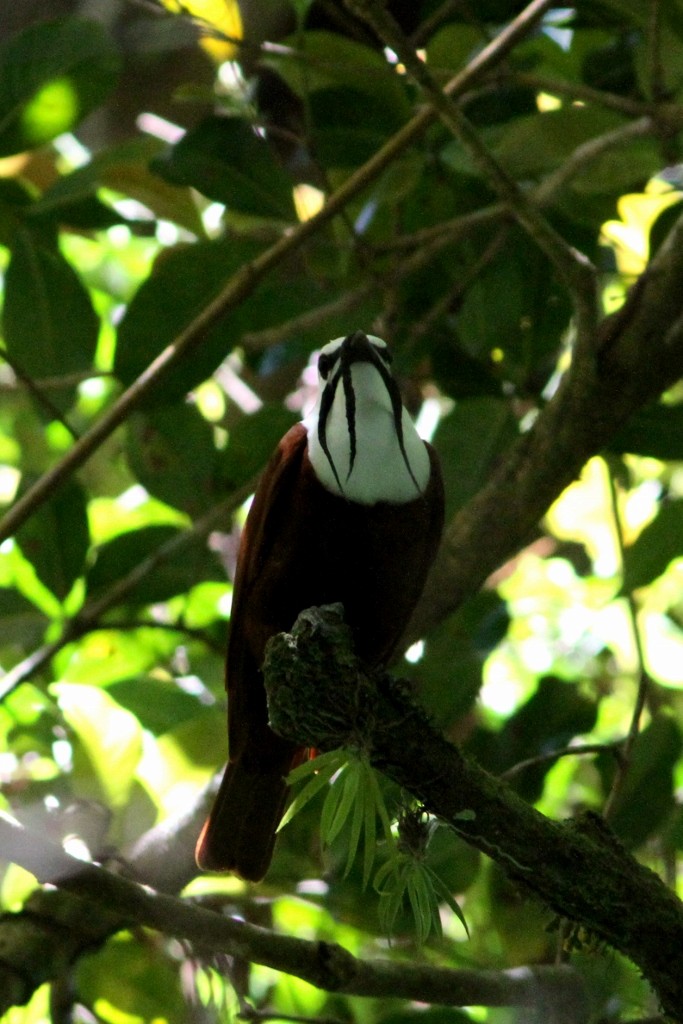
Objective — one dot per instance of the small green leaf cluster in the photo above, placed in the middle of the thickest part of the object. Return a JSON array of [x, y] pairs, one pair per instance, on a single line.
[[354, 804]]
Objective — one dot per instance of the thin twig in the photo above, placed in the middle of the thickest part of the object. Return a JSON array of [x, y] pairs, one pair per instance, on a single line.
[[453, 295], [577, 750], [643, 678], [579, 91], [589, 151], [250, 1013], [426, 29], [129, 625], [657, 78]]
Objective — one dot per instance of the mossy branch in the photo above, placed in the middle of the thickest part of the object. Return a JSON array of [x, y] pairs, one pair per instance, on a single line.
[[320, 695]]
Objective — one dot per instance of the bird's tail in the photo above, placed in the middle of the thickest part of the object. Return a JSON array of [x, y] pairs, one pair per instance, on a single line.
[[239, 834]]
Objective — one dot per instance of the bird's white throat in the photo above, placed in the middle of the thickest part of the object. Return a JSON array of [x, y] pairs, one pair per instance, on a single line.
[[379, 470]]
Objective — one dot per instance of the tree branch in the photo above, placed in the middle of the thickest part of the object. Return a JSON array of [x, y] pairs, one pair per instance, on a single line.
[[93, 903], [320, 696], [636, 354]]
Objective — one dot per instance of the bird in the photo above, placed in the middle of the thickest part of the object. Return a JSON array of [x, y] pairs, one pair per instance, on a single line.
[[349, 509]]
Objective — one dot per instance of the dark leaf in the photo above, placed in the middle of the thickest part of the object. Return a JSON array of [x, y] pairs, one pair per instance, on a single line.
[[55, 539], [556, 713], [455, 862], [15, 202], [225, 159], [20, 621], [252, 441], [470, 441], [531, 316], [87, 214], [663, 225], [134, 978], [431, 1015], [656, 431], [172, 453], [330, 61], [659, 543], [348, 126], [51, 75], [167, 576], [122, 168], [180, 286], [449, 675], [647, 795], [159, 705], [51, 328], [539, 143]]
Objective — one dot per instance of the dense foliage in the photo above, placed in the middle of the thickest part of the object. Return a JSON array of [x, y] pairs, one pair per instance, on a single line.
[[481, 185]]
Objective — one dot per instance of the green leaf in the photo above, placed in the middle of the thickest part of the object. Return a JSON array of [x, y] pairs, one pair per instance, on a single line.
[[326, 60], [158, 704], [194, 476], [656, 431], [426, 1015], [319, 771], [339, 803], [340, 137], [552, 716], [422, 904], [358, 820], [166, 576], [225, 159], [441, 890], [470, 441], [532, 313], [371, 785], [658, 544], [183, 475], [51, 328], [451, 46], [15, 202], [179, 288], [132, 979], [20, 621], [252, 441], [122, 168], [110, 736], [663, 225], [410, 881], [51, 75], [449, 674], [369, 836], [352, 805], [537, 144], [87, 214], [646, 798], [55, 539]]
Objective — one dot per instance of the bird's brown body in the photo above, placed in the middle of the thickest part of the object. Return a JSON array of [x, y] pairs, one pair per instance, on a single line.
[[303, 545]]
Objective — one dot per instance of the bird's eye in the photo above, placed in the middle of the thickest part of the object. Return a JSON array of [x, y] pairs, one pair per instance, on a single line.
[[324, 365]]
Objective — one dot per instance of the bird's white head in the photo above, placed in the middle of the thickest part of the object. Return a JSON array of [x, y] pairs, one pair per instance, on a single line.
[[361, 441]]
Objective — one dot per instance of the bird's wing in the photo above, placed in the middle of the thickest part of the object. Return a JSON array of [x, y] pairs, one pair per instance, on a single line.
[[248, 632]]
